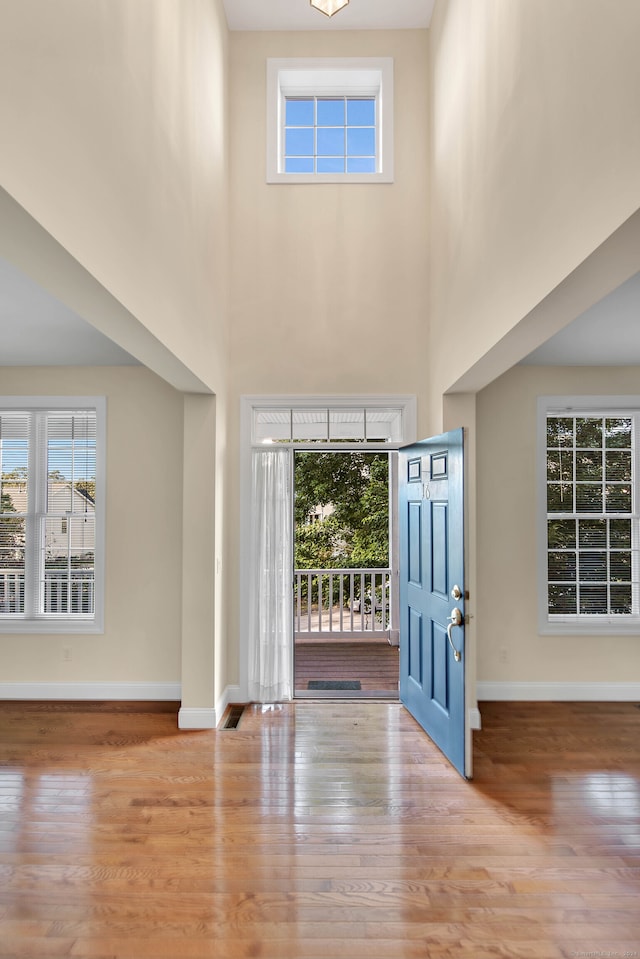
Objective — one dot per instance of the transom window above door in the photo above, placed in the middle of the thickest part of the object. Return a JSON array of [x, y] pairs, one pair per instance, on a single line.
[[328, 425]]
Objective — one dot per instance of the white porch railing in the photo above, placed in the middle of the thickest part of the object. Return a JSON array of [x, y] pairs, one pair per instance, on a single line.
[[62, 593], [352, 603]]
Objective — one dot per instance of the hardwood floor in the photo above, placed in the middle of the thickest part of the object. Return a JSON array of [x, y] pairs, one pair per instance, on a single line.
[[318, 831]]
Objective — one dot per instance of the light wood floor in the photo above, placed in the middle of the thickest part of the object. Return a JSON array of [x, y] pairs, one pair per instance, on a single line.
[[318, 831]]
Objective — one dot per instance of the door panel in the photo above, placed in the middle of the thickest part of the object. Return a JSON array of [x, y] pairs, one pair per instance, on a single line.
[[431, 518]]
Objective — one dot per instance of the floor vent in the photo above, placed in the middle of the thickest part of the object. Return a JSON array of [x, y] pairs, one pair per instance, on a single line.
[[232, 717]]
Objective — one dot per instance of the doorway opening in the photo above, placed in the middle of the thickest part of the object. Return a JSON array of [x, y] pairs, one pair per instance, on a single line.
[[344, 578]]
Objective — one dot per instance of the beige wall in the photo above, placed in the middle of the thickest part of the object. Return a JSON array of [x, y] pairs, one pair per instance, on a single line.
[[141, 641], [328, 281], [507, 613], [329, 288], [535, 162], [114, 177], [113, 119]]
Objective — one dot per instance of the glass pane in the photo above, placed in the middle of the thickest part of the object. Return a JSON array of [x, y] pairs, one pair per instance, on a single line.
[[13, 497], [589, 465], [620, 567], [310, 425], [589, 432], [561, 533], [361, 113], [560, 465], [621, 600], [71, 462], [559, 498], [330, 113], [593, 567], [270, 425], [330, 165], [618, 498], [593, 600], [299, 113], [619, 532], [361, 165], [14, 461], [346, 424], [383, 425], [68, 585], [331, 141], [618, 465], [559, 431], [588, 498], [618, 433], [299, 142], [562, 566], [361, 142], [298, 165], [562, 600], [12, 540], [592, 532]]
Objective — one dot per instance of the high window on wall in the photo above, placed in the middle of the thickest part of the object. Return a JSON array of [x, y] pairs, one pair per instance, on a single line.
[[330, 120], [51, 514], [589, 495]]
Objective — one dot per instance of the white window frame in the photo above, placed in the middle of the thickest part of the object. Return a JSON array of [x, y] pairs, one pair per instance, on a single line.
[[321, 76], [584, 624], [56, 623]]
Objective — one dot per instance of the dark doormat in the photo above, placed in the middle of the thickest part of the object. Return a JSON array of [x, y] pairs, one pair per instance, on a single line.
[[334, 684]]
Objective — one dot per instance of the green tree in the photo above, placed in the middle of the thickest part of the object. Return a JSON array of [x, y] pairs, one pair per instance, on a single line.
[[356, 486]]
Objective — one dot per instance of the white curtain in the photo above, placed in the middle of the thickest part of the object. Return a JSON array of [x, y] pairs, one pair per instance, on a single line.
[[271, 597]]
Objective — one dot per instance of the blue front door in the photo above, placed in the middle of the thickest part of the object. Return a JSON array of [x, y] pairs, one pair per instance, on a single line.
[[432, 656]]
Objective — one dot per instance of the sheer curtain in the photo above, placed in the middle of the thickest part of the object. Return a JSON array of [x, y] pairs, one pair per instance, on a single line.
[[270, 598]]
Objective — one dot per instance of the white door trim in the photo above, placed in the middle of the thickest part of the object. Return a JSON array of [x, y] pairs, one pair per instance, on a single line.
[[250, 402]]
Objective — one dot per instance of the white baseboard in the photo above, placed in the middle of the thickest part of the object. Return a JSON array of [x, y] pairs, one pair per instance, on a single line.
[[196, 718], [475, 721], [91, 691], [559, 692]]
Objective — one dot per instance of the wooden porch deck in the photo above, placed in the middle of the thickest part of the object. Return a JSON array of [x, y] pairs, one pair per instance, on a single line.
[[374, 664]]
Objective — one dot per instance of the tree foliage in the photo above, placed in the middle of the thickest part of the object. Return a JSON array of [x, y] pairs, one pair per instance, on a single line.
[[356, 533]]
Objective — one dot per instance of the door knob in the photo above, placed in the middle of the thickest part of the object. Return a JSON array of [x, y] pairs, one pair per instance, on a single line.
[[456, 619]]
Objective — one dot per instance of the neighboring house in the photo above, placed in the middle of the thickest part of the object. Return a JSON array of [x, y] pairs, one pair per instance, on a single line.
[[63, 537], [135, 208]]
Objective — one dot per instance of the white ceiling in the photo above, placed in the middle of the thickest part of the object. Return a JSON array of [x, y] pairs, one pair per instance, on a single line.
[[300, 15], [38, 330], [607, 334]]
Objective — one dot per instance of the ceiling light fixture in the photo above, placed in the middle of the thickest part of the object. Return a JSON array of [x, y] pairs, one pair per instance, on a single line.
[[329, 7]]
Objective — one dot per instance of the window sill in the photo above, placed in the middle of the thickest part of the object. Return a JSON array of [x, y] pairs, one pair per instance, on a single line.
[[350, 178], [602, 627], [51, 626]]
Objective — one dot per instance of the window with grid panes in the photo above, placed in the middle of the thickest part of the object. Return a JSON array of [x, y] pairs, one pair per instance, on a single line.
[[591, 518], [330, 120], [50, 517], [330, 135]]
